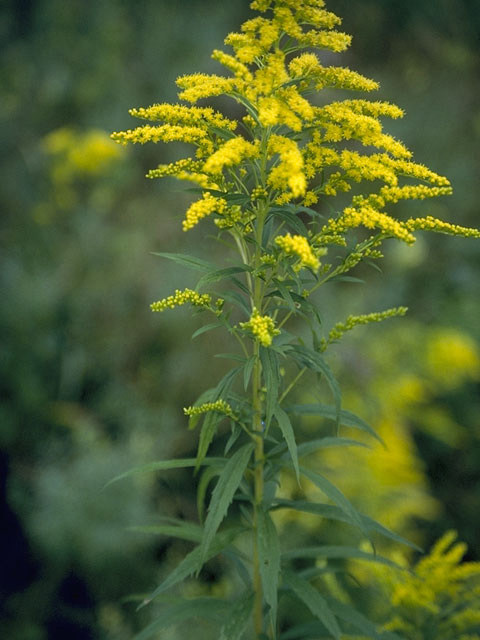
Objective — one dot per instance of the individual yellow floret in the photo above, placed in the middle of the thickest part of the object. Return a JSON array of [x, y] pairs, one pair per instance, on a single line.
[[300, 247], [262, 328], [201, 208], [182, 297]]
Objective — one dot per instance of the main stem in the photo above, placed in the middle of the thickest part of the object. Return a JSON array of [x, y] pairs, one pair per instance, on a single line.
[[258, 430]]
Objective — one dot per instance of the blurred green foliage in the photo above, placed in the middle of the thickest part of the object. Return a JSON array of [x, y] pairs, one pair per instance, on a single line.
[[91, 384]]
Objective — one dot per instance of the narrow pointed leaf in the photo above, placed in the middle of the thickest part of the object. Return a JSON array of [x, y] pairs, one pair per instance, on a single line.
[[315, 602], [222, 496], [313, 360], [194, 561], [358, 621], [221, 274], [336, 496], [165, 465], [289, 435], [174, 528], [208, 608], [269, 558], [331, 512], [191, 262], [238, 618], [247, 371], [347, 418], [207, 476], [205, 328], [338, 553], [327, 443], [271, 376]]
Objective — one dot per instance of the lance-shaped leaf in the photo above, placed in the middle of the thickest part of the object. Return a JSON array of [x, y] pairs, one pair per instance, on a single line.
[[358, 621], [314, 361], [271, 376], [307, 448], [190, 262], [347, 418], [213, 418], [221, 274], [289, 435], [165, 465], [338, 553], [222, 496], [269, 558], [194, 561], [173, 528], [336, 496], [331, 512], [205, 328], [208, 608], [238, 618], [314, 601]]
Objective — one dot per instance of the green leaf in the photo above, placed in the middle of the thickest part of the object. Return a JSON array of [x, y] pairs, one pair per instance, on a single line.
[[191, 262], [207, 476], [247, 370], [331, 512], [336, 496], [220, 274], [289, 435], [174, 528], [236, 298], [205, 328], [284, 293], [194, 561], [326, 443], [338, 553], [271, 376], [358, 621], [213, 418], [314, 601], [306, 631], [269, 557], [238, 619], [313, 360], [166, 465], [347, 418], [209, 608], [222, 496]]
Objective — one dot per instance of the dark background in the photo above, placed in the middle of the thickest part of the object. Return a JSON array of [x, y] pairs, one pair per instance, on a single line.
[[92, 384]]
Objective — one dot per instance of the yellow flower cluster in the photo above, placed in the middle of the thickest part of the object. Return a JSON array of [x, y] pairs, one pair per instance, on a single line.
[[288, 173], [433, 224], [300, 247], [308, 70], [164, 133], [353, 321], [180, 114], [207, 205], [182, 297], [231, 153], [219, 405], [79, 153], [262, 328], [370, 218], [200, 85], [342, 122], [439, 583]]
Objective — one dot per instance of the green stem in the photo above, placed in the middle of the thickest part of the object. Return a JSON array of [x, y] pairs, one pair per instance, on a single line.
[[258, 431]]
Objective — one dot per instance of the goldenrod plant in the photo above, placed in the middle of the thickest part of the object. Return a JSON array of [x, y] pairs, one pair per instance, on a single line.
[[264, 182], [438, 599]]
